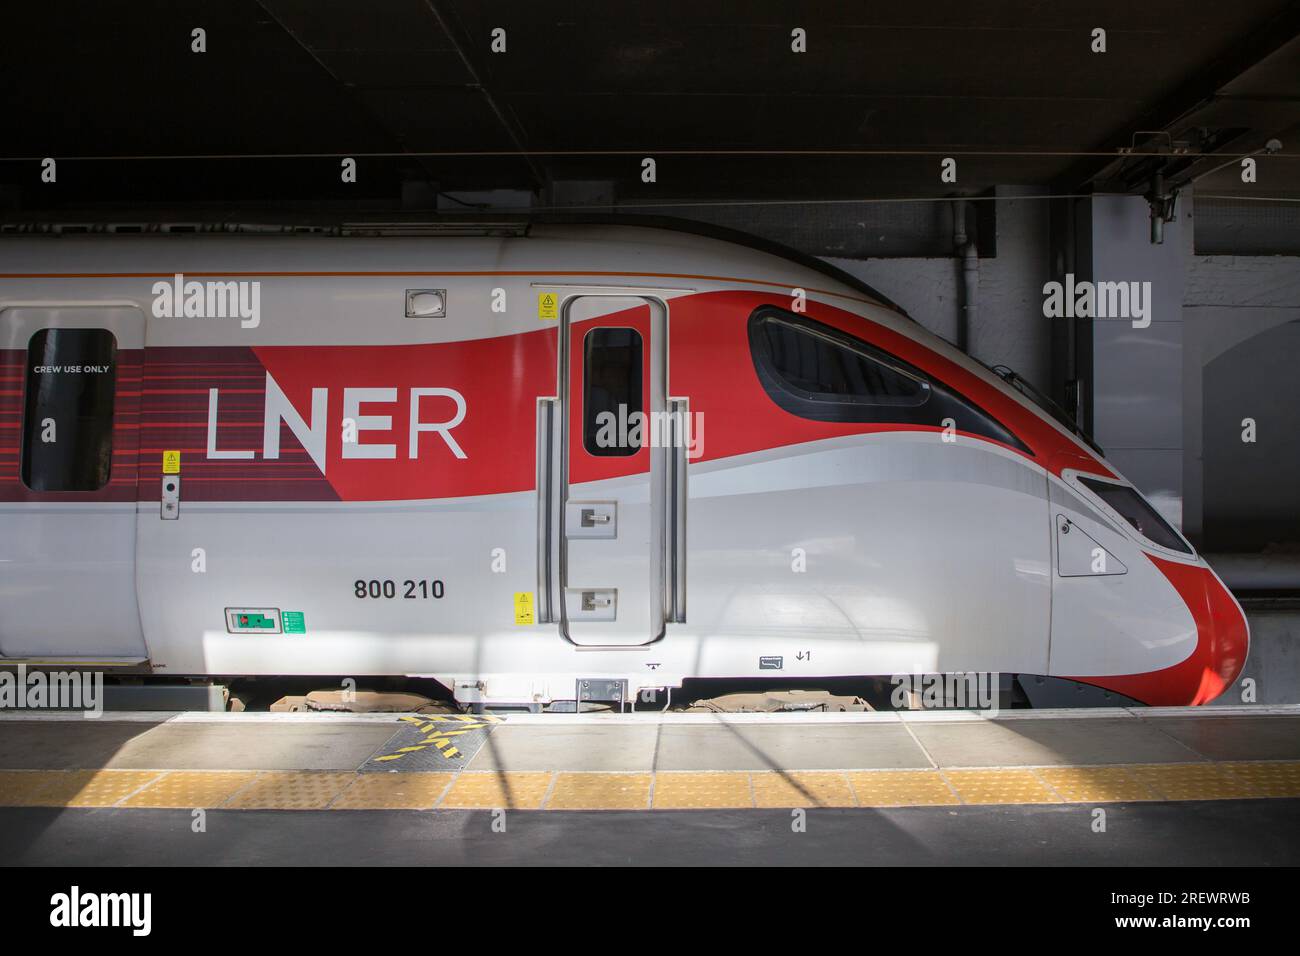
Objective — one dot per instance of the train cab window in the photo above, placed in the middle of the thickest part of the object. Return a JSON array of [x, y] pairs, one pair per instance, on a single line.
[[821, 373], [611, 392], [68, 415], [1137, 511], [823, 369]]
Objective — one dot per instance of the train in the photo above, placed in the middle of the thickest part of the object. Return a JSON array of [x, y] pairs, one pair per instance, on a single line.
[[539, 460]]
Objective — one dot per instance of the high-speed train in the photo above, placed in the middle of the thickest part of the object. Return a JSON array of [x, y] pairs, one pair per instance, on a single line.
[[521, 460]]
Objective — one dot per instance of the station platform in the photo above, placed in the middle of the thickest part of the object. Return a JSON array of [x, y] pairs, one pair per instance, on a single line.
[[1225, 773]]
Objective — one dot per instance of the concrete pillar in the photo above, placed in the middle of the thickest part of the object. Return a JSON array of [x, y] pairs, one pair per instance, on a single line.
[[1137, 372]]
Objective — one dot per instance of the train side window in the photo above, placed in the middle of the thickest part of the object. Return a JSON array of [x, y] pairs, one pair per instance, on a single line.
[[819, 368], [68, 413], [821, 373], [1137, 511], [611, 392]]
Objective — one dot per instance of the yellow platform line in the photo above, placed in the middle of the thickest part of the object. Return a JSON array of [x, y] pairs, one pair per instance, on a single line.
[[662, 790]]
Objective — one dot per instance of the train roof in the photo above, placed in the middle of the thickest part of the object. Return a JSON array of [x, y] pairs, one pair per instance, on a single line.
[[520, 225], [732, 236]]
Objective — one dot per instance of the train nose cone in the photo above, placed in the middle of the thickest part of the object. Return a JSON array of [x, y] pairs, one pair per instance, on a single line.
[[1222, 640], [1228, 639], [1222, 636]]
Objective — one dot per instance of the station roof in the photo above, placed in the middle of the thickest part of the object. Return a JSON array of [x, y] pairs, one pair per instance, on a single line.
[[585, 90]]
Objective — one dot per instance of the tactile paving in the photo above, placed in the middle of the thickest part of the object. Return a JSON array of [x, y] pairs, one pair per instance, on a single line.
[[1096, 784], [689, 791], [192, 789], [600, 791], [901, 788], [802, 789], [490, 790], [108, 787], [1267, 778], [1000, 786], [291, 791], [1192, 781], [70, 788]]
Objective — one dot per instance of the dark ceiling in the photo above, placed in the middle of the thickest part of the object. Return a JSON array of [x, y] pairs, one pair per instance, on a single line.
[[586, 89]]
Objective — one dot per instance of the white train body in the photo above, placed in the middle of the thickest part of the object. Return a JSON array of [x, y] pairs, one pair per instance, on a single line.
[[363, 491]]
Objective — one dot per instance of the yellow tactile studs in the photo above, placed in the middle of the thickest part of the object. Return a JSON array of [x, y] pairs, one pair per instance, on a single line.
[[802, 789], [1000, 786], [600, 791], [689, 791], [394, 791], [901, 788], [1267, 778], [35, 788], [491, 790], [192, 789], [105, 788], [667, 790], [1192, 781], [1096, 784], [70, 788], [291, 791]]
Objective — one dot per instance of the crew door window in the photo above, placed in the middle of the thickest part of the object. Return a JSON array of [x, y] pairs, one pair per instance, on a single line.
[[611, 398], [70, 385]]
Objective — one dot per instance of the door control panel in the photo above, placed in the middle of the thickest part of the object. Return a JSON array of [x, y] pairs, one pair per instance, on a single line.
[[171, 497]]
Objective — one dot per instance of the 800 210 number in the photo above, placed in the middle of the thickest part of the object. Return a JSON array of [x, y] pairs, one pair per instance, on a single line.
[[387, 589]]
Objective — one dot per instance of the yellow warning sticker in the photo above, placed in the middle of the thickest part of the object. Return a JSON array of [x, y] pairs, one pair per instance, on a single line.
[[525, 612], [548, 305], [171, 463]]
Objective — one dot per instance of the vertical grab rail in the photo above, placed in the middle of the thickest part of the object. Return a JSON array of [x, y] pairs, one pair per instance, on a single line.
[[547, 508], [678, 423]]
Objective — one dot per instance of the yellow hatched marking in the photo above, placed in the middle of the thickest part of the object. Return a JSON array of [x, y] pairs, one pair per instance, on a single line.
[[901, 788], [303, 790], [1268, 778], [1192, 781], [601, 791], [1000, 786], [1096, 784], [802, 789], [394, 791], [192, 789], [490, 790], [682, 790]]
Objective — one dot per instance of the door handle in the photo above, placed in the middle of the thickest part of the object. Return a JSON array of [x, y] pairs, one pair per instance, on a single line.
[[591, 519], [592, 600]]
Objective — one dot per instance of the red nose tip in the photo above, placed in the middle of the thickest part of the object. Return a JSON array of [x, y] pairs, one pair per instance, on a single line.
[[1222, 640]]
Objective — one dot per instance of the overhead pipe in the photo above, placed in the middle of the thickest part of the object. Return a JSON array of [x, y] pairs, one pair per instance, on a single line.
[[965, 249]]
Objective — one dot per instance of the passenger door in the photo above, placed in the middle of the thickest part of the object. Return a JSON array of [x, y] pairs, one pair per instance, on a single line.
[[68, 482], [609, 479]]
